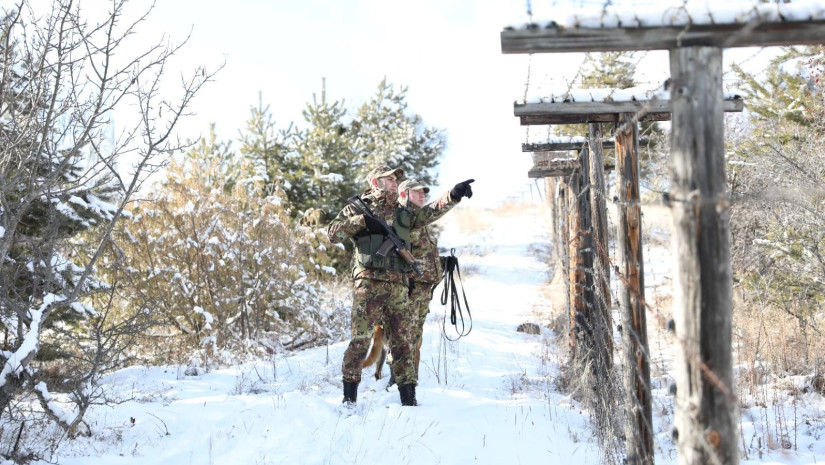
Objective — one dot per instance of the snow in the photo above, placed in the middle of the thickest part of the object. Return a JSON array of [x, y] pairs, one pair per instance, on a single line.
[[632, 94], [53, 406], [31, 340], [489, 398], [329, 270], [682, 13], [206, 315], [332, 177], [83, 309]]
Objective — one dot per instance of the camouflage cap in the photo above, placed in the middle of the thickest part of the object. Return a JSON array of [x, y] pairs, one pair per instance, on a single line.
[[412, 184], [383, 170]]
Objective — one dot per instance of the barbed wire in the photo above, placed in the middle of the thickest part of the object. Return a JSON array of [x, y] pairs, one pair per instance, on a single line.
[[595, 280], [598, 279]]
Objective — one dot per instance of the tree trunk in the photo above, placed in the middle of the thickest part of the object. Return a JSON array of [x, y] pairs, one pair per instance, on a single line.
[[705, 405]]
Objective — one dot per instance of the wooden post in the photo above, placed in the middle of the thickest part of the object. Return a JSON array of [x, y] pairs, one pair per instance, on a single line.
[[638, 433], [550, 191], [586, 246], [550, 200], [564, 237], [577, 307], [601, 258], [705, 415]]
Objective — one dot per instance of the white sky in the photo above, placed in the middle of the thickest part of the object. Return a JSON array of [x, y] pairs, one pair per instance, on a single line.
[[447, 52]]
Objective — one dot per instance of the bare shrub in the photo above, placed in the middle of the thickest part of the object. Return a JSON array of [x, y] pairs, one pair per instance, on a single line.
[[63, 78], [221, 265]]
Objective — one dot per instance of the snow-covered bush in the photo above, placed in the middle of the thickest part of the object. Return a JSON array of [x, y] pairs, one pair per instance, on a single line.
[[218, 261]]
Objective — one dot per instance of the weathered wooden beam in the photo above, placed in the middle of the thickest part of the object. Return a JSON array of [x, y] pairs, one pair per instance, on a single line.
[[636, 373], [532, 114], [536, 120], [559, 39], [705, 417], [562, 169], [562, 146], [562, 245], [575, 268], [586, 285], [570, 145], [602, 319]]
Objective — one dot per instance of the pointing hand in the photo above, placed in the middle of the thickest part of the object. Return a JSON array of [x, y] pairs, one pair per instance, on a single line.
[[462, 189]]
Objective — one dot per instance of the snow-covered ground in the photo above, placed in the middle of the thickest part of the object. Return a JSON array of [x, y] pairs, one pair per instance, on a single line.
[[489, 398]]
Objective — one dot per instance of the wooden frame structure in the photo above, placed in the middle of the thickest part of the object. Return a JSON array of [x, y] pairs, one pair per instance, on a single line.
[[705, 420], [551, 39], [602, 112]]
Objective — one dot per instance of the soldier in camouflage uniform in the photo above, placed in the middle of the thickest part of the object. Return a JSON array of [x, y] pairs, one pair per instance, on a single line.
[[380, 285], [412, 194]]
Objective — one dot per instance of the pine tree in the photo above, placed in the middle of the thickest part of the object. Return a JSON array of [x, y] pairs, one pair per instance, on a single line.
[[322, 180], [616, 70], [48, 197], [270, 147], [223, 266], [605, 70], [386, 133], [777, 179], [59, 177]]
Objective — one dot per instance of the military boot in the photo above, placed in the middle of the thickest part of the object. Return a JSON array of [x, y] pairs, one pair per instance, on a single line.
[[350, 392], [407, 392]]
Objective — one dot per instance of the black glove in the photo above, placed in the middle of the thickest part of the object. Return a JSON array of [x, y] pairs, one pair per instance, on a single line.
[[373, 225], [462, 189]]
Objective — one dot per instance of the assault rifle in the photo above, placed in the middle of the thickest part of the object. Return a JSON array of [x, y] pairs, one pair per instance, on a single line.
[[392, 242]]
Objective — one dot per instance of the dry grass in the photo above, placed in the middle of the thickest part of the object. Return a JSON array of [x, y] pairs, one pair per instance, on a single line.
[[473, 220], [772, 345], [657, 222]]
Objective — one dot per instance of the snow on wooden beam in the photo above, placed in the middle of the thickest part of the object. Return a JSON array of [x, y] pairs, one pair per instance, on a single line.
[[562, 146], [546, 167], [553, 168], [555, 39], [601, 112]]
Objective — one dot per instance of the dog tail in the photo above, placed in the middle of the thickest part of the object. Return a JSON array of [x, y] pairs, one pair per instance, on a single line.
[[377, 347]]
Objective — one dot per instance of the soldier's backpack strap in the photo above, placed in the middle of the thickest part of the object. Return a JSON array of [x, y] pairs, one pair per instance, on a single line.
[[450, 292]]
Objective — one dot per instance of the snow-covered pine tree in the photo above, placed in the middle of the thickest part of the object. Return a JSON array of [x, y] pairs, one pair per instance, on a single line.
[[49, 193], [616, 70], [62, 77], [322, 179], [222, 266], [271, 147], [776, 177], [385, 132]]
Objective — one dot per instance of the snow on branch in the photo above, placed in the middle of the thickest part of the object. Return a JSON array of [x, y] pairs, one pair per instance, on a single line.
[[19, 359]]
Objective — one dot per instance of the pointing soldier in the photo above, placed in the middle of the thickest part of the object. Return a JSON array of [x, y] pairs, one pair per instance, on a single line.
[[380, 284], [412, 194]]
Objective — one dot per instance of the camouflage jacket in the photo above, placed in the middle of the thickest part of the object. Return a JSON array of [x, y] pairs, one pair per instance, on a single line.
[[424, 248], [349, 224]]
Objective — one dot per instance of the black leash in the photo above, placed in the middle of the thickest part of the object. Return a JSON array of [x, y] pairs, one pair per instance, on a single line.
[[451, 291]]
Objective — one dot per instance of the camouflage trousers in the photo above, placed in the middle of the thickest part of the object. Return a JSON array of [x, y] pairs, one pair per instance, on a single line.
[[420, 299], [386, 303]]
